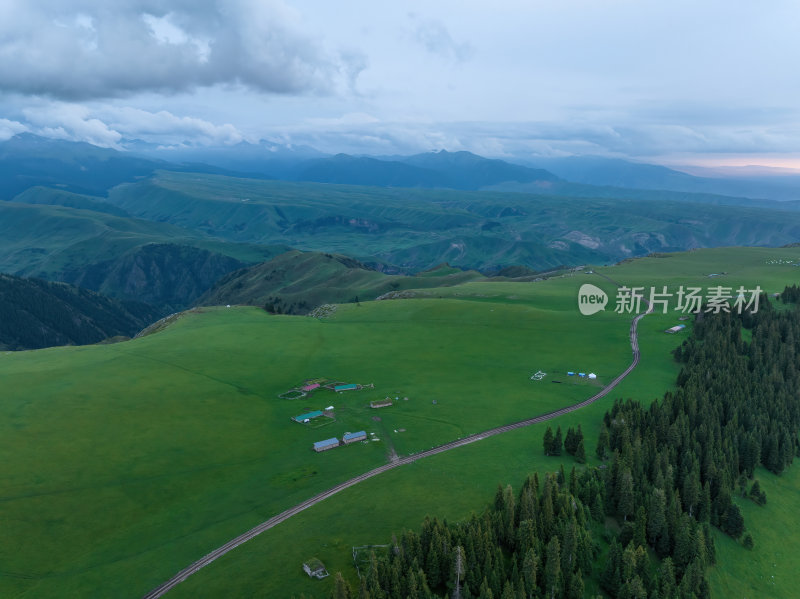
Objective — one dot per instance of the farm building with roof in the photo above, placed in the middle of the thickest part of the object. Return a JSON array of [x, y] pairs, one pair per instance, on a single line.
[[315, 568], [326, 444], [307, 416], [353, 437], [348, 387]]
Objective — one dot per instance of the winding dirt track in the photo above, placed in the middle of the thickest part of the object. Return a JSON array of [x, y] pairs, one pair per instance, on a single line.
[[275, 520]]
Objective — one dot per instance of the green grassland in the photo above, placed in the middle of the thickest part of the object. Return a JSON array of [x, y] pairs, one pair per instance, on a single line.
[[125, 463], [450, 485], [770, 569]]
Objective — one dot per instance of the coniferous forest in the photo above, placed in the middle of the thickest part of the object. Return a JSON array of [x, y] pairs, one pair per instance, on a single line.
[[35, 313], [669, 472]]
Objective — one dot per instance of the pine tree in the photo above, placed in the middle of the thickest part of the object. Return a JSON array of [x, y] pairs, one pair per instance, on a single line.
[[530, 566], [570, 441], [640, 528], [734, 522], [756, 494], [557, 443], [611, 577], [656, 515], [748, 541], [341, 588], [580, 452], [458, 568], [485, 592], [548, 441], [575, 587], [363, 592], [552, 569], [602, 444], [625, 496]]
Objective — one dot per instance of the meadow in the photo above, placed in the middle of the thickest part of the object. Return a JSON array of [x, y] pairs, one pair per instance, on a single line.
[[454, 484], [126, 462]]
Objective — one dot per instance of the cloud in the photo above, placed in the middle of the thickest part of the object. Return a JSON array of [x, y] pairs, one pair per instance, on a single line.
[[9, 129], [367, 134], [71, 122], [88, 49], [436, 39], [166, 128], [111, 126]]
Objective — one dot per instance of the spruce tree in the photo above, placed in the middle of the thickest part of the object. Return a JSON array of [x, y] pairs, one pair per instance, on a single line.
[[602, 444], [580, 452], [552, 570], [341, 588], [557, 443], [548, 441]]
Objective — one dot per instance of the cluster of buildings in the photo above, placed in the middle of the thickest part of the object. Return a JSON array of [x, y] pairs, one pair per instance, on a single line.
[[583, 375], [333, 442]]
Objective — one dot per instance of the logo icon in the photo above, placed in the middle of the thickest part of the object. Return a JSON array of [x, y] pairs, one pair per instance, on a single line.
[[591, 299]]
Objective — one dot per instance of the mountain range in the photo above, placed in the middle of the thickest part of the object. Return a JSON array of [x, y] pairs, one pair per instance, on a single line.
[[318, 229]]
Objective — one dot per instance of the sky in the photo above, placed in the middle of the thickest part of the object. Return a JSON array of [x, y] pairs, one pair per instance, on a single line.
[[710, 83]]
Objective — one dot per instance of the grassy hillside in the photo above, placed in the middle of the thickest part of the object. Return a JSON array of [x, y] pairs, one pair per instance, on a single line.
[[122, 257], [36, 314], [297, 282], [768, 570], [59, 197], [418, 229]]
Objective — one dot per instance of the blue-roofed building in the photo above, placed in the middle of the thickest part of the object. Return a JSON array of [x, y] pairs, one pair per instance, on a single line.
[[326, 444], [581, 374], [570, 374], [353, 437]]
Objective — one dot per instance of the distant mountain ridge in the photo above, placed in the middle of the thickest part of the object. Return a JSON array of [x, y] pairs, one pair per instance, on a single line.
[[450, 170], [27, 160], [627, 174]]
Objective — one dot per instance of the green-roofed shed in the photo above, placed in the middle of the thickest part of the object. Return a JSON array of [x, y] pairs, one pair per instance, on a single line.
[[349, 387], [308, 416]]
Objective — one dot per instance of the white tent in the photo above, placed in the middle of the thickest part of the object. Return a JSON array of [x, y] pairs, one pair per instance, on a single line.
[[592, 375]]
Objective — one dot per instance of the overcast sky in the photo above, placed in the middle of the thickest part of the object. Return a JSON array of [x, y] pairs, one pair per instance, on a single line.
[[676, 81]]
